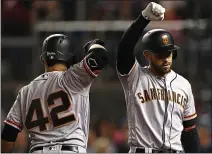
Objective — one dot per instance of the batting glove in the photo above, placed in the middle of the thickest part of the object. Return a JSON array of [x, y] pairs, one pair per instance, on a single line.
[[154, 11], [92, 42]]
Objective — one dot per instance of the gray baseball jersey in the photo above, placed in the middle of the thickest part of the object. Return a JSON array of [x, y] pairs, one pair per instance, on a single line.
[[156, 108], [54, 107]]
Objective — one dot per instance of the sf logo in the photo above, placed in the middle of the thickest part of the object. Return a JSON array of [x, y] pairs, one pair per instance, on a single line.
[[165, 39]]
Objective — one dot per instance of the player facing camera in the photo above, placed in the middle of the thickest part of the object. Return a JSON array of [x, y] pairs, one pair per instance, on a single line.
[[159, 50], [160, 103], [159, 64]]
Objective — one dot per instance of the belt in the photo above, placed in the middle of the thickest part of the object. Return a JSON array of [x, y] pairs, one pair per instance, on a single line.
[[64, 148], [141, 150]]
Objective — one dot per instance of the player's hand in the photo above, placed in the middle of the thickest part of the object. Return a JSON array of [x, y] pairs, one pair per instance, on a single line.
[[154, 11], [92, 42]]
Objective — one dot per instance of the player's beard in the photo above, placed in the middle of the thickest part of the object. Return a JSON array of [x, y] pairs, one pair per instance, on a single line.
[[160, 69]]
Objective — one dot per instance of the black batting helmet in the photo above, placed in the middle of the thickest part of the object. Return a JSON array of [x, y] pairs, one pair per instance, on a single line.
[[56, 49], [160, 42]]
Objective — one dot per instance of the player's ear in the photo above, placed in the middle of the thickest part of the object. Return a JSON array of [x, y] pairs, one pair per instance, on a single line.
[[42, 60], [146, 55]]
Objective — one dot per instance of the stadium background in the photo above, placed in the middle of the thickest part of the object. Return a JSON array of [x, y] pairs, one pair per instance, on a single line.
[[25, 24]]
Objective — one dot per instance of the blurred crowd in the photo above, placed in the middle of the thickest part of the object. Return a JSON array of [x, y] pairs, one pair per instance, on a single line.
[[21, 15], [107, 134]]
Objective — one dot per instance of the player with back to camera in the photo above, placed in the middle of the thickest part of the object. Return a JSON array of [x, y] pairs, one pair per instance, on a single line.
[[54, 107], [160, 104]]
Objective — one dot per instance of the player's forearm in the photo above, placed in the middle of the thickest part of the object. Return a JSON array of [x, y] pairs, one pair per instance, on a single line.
[[133, 33], [190, 141], [6, 147], [128, 42]]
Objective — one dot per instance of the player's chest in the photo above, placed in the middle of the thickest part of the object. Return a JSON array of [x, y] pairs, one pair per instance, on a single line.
[[158, 92]]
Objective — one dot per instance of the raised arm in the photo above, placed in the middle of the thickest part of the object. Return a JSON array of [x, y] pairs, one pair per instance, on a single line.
[[81, 75], [126, 58]]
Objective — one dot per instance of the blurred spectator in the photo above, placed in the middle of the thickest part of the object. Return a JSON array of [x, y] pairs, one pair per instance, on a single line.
[[103, 145], [105, 128], [121, 139], [91, 141], [205, 142], [47, 10], [16, 17], [171, 9], [126, 10], [99, 139]]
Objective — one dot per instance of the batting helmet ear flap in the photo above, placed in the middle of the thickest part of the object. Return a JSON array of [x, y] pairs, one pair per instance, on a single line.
[[174, 54]]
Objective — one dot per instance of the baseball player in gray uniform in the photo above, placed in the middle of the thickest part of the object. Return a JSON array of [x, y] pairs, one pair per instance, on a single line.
[[54, 107], [160, 104]]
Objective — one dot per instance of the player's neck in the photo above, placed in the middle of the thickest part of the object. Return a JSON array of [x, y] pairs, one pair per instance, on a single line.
[[56, 67]]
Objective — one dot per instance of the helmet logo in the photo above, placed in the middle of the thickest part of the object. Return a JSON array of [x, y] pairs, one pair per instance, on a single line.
[[51, 55], [165, 39]]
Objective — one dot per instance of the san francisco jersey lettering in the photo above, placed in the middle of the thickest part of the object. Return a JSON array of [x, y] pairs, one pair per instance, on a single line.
[[54, 107], [156, 107]]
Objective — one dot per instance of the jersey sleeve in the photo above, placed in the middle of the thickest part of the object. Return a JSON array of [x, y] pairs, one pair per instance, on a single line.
[[189, 110], [129, 78], [80, 76], [14, 116]]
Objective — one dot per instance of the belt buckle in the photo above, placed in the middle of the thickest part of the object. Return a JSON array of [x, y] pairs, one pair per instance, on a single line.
[[53, 148]]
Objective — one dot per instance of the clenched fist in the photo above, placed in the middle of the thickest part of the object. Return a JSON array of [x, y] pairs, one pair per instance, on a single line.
[[153, 11], [88, 45]]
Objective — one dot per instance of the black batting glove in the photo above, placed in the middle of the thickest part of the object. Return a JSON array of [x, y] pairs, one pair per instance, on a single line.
[[90, 43]]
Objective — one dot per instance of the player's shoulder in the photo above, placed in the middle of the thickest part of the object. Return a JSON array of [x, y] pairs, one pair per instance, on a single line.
[[182, 79], [24, 89]]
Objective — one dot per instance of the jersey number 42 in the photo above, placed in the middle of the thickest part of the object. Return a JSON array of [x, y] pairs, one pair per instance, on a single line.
[[41, 121]]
